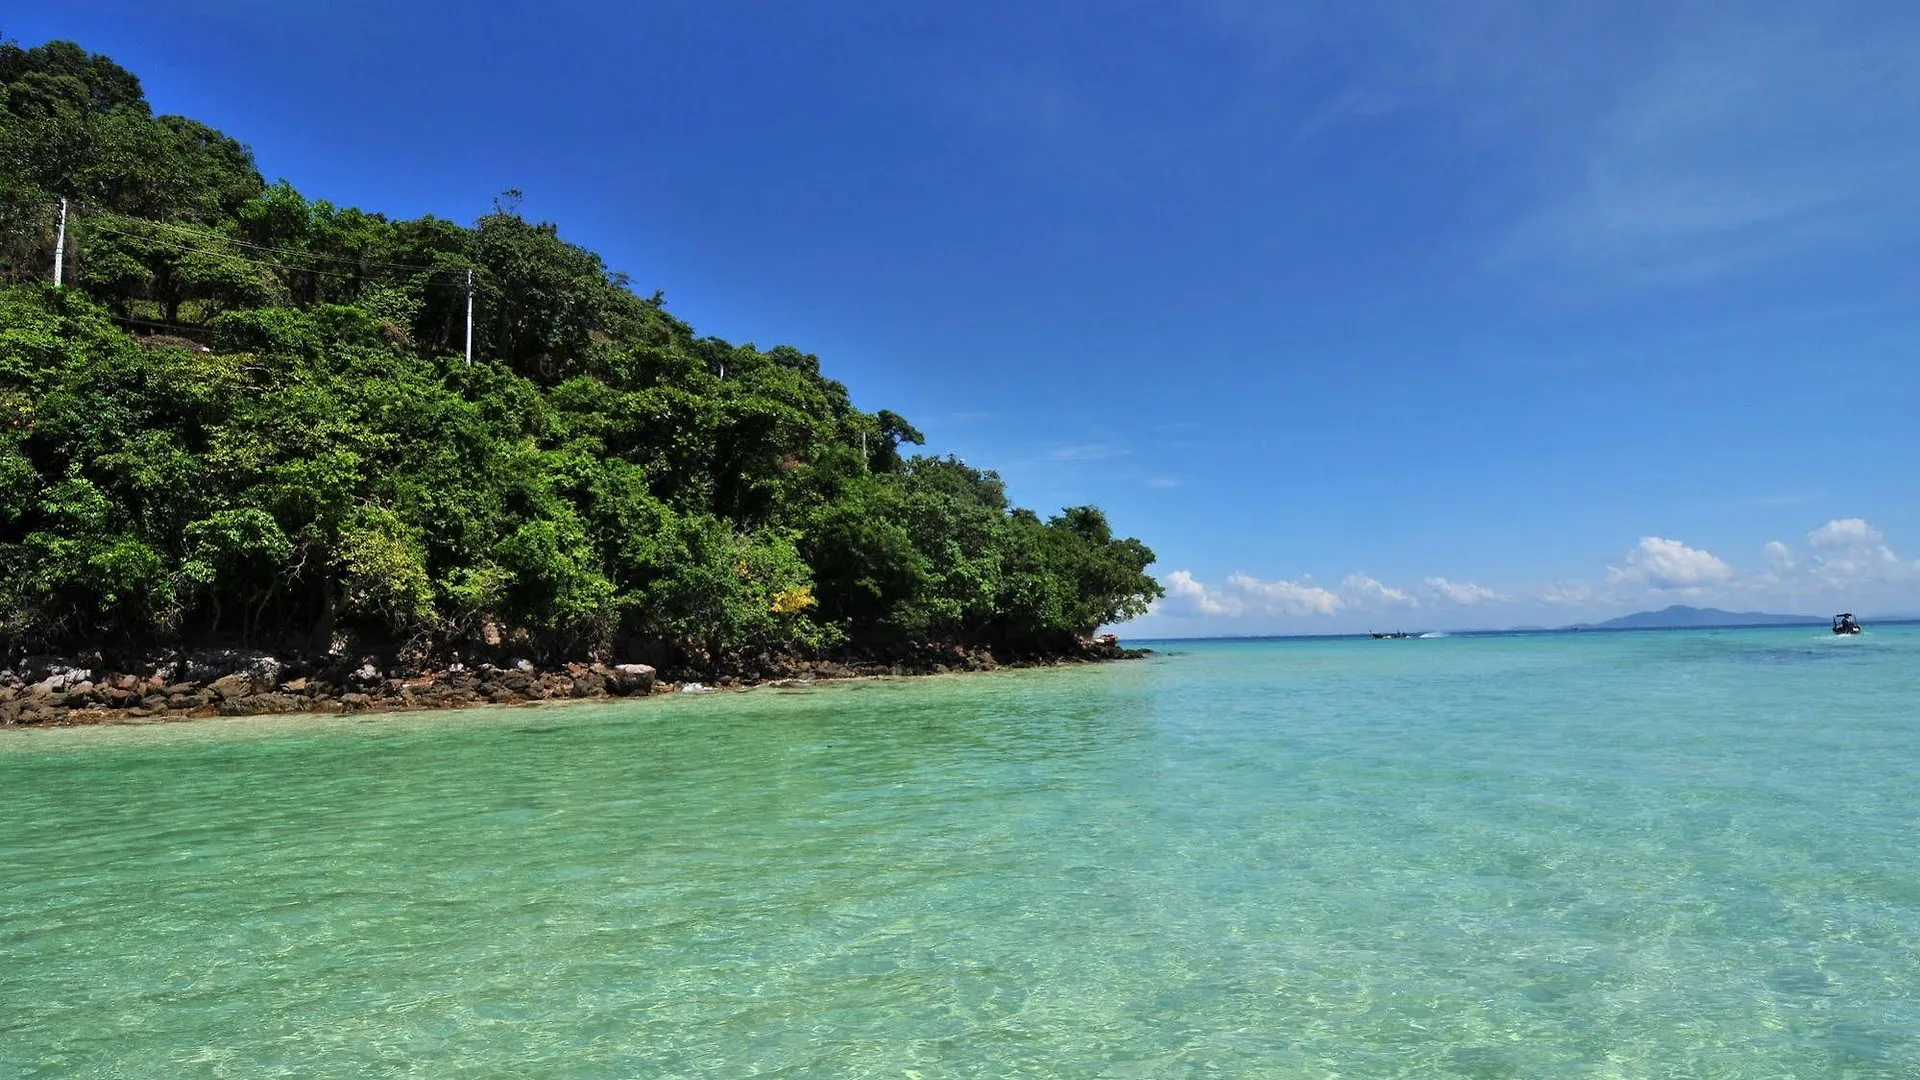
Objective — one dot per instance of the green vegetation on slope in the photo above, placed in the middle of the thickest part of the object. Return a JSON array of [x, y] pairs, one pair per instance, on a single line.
[[247, 420]]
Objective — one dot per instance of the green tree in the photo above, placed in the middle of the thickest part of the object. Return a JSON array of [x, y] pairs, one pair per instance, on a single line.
[[302, 454]]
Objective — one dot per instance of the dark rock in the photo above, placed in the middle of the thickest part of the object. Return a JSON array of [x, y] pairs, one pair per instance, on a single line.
[[625, 679], [60, 678], [229, 687], [51, 689], [261, 704]]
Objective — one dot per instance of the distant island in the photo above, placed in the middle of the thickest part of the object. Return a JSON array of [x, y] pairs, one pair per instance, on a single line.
[[1680, 615]]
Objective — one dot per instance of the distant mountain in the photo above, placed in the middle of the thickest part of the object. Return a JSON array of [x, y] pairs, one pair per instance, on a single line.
[[1682, 615]]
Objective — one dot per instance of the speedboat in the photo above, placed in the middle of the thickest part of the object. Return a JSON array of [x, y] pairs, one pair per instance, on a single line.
[[1844, 623]]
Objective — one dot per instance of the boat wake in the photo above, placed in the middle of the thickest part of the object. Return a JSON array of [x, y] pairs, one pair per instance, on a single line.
[[1435, 633]]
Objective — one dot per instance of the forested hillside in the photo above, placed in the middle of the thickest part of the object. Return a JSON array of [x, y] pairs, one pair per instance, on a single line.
[[247, 419]]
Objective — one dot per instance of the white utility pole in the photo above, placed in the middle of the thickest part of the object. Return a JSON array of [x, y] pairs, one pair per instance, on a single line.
[[469, 318], [60, 246]]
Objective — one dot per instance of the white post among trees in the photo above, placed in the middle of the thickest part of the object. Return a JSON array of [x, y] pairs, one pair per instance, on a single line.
[[60, 246], [469, 317]]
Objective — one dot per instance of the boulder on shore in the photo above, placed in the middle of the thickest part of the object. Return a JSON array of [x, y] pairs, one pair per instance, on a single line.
[[626, 679], [56, 690]]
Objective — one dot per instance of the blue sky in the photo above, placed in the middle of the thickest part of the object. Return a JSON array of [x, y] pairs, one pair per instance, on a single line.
[[1361, 314]]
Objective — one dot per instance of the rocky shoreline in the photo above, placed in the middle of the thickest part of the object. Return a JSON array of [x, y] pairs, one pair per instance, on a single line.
[[60, 691]]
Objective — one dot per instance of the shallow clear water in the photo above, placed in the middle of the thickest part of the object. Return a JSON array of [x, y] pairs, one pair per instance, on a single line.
[[1619, 855]]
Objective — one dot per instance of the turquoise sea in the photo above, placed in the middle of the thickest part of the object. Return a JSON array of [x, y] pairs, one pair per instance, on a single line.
[[1680, 854]]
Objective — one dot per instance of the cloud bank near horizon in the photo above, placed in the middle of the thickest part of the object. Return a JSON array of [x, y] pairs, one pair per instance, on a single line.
[[1846, 561]]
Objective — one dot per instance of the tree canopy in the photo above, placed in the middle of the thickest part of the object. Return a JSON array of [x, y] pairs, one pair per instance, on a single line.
[[247, 419]]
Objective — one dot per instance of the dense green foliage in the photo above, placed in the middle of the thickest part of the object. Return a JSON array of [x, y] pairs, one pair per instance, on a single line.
[[247, 419]]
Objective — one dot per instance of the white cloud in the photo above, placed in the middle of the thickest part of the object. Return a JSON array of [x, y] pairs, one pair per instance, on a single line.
[[1185, 596], [1845, 533], [1725, 155], [1363, 591], [1074, 452], [1848, 552], [1778, 564], [1244, 595], [1845, 562], [1284, 597], [1464, 593], [1565, 592], [1779, 556], [1665, 142], [1669, 564]]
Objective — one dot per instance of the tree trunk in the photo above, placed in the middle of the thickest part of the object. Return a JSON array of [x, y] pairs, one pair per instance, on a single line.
[[323, 627], [253, 623]]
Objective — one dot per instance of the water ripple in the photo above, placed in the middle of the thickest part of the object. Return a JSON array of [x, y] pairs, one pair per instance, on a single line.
[[1605, 856]]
